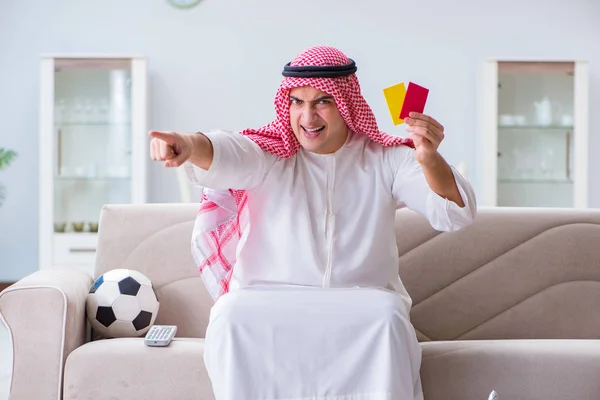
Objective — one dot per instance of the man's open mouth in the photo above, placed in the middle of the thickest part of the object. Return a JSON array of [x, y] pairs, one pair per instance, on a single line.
[[313, 130]]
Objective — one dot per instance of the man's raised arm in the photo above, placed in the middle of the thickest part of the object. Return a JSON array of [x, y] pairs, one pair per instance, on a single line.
[[216, 160]]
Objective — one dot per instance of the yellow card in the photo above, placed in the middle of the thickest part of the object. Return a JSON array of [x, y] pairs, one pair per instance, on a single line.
[[394, 97]]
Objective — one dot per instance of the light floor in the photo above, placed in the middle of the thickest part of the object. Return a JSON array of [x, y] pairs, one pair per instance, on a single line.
[[5, 362]]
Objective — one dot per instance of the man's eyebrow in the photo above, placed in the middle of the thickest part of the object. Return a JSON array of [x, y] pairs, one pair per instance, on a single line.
[[325, 97]]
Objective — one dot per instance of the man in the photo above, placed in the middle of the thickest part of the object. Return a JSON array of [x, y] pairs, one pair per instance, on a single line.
[[295, 239]]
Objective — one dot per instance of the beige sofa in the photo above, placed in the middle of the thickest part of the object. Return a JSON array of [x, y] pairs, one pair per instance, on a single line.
[[511, 303]]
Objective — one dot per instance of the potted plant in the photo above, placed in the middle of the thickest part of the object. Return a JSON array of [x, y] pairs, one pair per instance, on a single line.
[[6, 157]]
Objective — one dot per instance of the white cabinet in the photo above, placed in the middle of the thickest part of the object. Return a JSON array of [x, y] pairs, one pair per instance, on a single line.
[[93, 149], [535, 134]]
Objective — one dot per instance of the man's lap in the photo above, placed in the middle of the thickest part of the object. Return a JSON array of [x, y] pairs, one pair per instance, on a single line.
[[308, 301], [276, 338]]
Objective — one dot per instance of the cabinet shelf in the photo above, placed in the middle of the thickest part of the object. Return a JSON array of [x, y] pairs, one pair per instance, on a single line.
[[106, 124], [70, 234], [535, 127], [533, 180], [92, 178]]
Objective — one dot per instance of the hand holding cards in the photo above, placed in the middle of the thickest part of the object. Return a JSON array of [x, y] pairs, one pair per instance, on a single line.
[[401, 100], [406, 105]]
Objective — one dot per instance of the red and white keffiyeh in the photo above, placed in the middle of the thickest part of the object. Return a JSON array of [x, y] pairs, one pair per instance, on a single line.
[[223, 215]]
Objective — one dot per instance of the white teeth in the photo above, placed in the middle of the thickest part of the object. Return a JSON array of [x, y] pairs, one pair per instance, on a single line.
[[313, 130]]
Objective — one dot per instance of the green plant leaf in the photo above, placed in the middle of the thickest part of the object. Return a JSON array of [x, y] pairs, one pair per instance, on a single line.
[[6, 157]]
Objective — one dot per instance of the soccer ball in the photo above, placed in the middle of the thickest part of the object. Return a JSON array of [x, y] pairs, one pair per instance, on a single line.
[[121, 303]]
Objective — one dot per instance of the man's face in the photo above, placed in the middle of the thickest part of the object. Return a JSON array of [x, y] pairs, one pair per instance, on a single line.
[[316, 121]]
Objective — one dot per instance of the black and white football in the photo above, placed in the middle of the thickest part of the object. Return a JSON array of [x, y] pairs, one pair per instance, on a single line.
[[121, 303]]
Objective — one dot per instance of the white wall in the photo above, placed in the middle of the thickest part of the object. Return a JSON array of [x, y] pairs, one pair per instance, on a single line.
[[219, 64]]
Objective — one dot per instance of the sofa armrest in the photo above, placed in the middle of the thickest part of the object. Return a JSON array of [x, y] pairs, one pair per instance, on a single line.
[[45, 317]]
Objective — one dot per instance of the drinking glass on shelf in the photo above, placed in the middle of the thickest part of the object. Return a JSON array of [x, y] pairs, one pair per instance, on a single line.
[[88, 111], [103, 108], [67, 114], [60, 109], [518, 163], [506, 120], [77, 114], [520, 120]]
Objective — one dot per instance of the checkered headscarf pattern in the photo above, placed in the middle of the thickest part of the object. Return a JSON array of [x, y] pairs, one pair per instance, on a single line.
[[215, 243]]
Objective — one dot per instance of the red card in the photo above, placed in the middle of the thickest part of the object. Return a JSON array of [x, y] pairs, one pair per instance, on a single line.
[[416, 97]]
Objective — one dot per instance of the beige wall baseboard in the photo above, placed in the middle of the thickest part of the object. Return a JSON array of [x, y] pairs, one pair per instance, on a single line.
[[4, 285]]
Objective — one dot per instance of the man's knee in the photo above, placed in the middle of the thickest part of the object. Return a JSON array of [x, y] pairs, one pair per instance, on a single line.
[[229, 310], [390, 307]]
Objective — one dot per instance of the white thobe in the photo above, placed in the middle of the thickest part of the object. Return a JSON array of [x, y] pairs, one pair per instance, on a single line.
[[320, 245]]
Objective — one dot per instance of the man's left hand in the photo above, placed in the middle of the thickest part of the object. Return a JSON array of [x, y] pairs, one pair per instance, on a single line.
[[427, 134]]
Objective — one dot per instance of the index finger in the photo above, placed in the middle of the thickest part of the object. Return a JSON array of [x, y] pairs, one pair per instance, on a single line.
[[426, 118], [167, 137]]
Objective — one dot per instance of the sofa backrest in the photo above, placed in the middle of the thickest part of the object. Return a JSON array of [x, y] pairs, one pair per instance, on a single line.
[[514, 273]]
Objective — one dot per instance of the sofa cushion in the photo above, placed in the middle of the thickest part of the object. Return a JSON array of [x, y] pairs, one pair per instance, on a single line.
[[467, 370], [515, 369], [128, 369]]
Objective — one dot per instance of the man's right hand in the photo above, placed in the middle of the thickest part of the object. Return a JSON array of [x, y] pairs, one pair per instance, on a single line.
[[172, 148]]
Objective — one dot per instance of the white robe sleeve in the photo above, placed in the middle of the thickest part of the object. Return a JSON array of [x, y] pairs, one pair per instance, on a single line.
[[238, 163], [410, 189]]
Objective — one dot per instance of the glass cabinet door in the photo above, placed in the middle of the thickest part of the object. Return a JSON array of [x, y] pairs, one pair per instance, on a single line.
[[92, 140], [535, 134], [93, 150]]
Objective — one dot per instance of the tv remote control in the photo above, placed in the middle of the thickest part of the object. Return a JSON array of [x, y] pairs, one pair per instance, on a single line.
[[160, 335]]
